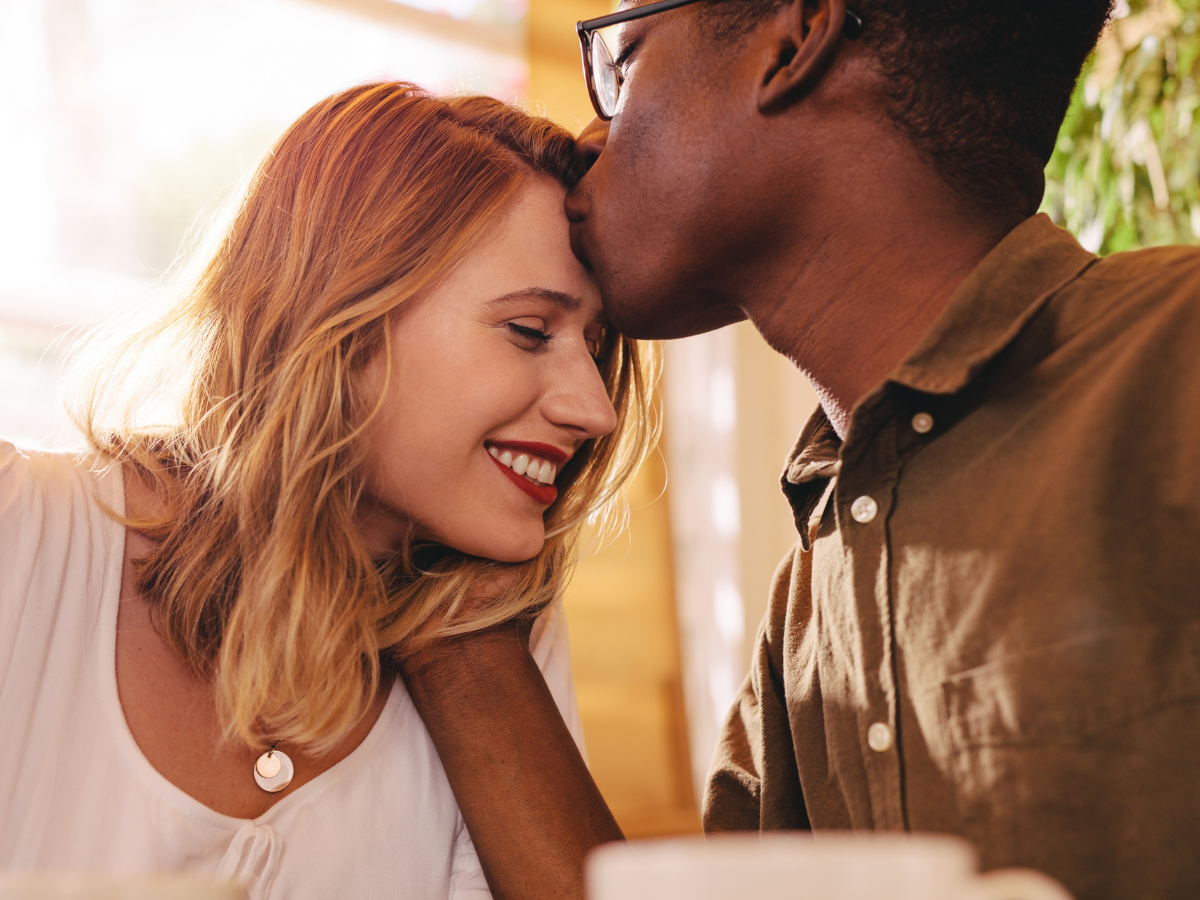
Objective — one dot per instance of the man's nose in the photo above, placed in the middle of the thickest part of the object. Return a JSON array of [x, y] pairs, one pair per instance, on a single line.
[[591, 143]]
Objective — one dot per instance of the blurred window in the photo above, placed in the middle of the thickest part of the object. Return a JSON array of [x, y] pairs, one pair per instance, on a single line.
[[125, 123]]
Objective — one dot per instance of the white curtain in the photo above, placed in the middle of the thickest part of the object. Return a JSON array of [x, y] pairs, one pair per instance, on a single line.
[[733, 410]]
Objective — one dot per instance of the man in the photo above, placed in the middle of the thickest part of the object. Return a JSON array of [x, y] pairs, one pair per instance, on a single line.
[[989, 626]]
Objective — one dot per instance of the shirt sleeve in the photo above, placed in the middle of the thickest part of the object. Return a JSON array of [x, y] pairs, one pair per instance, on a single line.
[[13, 503], [56, 545], [23, 524], [755, 758]]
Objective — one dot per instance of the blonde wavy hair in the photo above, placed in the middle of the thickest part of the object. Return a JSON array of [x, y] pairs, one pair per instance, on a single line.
[[258, 577]]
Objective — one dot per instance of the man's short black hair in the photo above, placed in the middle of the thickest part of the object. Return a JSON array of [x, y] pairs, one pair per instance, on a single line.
[[979, 86]]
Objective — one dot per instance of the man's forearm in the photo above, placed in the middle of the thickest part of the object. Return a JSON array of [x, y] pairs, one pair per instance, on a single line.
[[525, 793]]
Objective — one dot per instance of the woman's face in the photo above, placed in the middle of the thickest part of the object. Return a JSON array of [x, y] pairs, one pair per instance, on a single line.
[[493, 388]]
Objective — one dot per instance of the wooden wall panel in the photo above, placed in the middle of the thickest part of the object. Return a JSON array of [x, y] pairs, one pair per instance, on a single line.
[[625, 648], [556, 86]]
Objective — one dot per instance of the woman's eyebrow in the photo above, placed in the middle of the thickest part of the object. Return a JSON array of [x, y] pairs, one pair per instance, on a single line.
[[558, 298]]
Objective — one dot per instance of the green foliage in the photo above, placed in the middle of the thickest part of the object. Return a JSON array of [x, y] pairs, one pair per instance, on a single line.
[[1124, 171]]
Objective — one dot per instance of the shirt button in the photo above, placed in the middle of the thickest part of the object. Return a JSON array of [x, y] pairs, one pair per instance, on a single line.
[[864, 509], [922, 423], [879, 737]]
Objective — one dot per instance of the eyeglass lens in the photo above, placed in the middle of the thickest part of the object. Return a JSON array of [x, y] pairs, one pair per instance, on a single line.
[[604, 75]]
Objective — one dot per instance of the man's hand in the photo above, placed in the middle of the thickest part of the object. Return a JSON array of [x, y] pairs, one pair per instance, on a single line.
[[525, 793]]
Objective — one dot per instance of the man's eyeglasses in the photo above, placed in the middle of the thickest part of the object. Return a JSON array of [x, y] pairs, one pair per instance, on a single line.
[[601, 73]]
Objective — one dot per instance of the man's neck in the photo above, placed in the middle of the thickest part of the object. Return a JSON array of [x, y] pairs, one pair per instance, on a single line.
[[858, 289]]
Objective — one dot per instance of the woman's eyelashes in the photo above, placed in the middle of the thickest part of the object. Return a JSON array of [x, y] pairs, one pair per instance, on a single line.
[[532, 335], [529, 337]]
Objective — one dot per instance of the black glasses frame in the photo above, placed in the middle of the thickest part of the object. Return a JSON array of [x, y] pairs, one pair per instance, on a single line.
[[852, 30]]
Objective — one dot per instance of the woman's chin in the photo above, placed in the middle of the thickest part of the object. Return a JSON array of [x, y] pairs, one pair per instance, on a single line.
[[516, 552], [510, 546]]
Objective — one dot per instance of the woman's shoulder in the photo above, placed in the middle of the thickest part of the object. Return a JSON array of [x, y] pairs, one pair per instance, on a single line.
[[38, 484], [55, 529]]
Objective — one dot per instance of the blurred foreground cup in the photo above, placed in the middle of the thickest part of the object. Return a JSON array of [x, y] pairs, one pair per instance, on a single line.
[[81, 886], [831, 866]]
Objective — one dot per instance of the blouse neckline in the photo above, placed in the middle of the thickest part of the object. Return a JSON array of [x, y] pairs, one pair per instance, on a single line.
[[112, 491]]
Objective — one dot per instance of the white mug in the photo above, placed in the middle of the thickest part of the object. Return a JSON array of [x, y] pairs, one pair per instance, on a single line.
[[791, 866], [85, 886]]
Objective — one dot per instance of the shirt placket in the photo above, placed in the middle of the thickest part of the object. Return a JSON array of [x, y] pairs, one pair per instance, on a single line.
[[864, 496]]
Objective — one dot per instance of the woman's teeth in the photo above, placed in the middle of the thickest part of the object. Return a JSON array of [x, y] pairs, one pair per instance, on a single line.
[[540, 471]]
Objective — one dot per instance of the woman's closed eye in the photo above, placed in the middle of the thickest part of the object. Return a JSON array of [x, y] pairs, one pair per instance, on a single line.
[[529, 334]]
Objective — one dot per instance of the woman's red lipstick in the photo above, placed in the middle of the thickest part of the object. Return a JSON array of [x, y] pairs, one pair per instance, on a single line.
[[544, 494]]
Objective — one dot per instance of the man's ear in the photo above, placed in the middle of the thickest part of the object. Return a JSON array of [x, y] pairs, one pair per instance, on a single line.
[[802, 41]]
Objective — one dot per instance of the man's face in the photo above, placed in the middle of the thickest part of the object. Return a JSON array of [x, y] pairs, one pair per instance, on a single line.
[[672, 199]]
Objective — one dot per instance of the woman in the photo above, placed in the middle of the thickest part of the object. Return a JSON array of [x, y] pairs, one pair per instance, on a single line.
[[396, 395]]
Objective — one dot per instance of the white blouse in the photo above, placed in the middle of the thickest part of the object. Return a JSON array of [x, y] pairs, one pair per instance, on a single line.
[[77, 793]]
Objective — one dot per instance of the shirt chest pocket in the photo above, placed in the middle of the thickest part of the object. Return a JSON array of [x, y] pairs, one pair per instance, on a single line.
[[1072, 704]]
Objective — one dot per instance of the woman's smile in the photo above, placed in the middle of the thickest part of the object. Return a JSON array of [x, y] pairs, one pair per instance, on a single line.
[[532, 467]]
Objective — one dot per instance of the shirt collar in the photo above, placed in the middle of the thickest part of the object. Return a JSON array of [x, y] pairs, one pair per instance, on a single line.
[[983, 316], [992, 305]]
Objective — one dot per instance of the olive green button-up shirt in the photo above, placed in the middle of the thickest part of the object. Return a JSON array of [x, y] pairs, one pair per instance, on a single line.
[[991, 624]]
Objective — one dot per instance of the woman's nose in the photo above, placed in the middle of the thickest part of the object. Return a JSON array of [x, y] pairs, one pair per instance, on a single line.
[[578, 400]]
